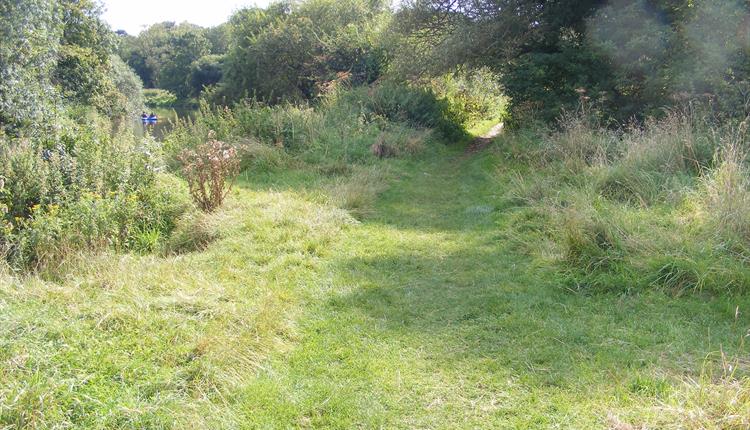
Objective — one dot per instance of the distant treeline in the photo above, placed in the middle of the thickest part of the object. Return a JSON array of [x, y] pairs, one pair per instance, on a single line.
[[289, 51], [628, 58]]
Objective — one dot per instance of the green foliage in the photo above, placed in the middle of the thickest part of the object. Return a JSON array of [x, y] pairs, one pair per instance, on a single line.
[[474, 96], [83, 68], [293, 52], [155, 97], [82, 189], [629, 58], [58, 52], [29, 37], [129, 88], [419, 107], [163, 55], [205, 72], [218, 39], [541, 85], [186, 44]]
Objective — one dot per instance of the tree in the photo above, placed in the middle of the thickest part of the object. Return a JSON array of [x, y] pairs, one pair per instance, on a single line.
[[205, 72], [163, 55], [29, 38], [291, 51], [83, 69], [630, 57]]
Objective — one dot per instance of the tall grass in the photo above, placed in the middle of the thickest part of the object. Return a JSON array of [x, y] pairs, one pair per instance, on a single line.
[[343, 126], [662, 204], [725, 194]]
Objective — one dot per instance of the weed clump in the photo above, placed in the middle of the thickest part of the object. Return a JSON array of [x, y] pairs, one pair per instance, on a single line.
[[207, 169], [381, 149], [591, 242], [193, 232]]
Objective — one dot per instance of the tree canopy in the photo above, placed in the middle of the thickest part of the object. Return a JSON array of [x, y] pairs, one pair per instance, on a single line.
[[631, 57], [59, 52]]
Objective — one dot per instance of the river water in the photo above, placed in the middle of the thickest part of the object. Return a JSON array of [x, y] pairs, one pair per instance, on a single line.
[[168, 117]]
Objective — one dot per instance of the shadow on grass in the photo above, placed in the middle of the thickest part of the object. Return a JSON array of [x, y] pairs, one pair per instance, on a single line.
[[483, 304]]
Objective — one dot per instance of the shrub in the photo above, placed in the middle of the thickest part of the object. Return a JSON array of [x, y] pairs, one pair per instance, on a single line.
[[207, 168], [418, 107], [155, 97], [81, 188], [473, 96]]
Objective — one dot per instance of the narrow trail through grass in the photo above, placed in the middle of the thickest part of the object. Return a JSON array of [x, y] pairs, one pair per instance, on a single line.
[[425, 313], [427, 317]]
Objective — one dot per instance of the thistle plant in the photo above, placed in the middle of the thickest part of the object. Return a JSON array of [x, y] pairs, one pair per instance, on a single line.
[[210, 170]]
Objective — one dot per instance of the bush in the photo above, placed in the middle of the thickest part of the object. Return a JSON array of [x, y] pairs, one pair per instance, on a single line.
[[473, 96], [83, 189], [418, 107], [155, 97], [207, 168]]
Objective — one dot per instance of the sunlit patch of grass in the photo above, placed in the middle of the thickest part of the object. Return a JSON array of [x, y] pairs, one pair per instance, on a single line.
[[437, 306], [152, 342], [358, 192]]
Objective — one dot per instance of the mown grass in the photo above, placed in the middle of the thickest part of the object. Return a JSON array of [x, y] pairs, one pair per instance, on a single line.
[[418, 292]]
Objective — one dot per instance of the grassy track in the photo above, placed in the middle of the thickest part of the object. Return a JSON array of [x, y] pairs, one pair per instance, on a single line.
[[423, 313]]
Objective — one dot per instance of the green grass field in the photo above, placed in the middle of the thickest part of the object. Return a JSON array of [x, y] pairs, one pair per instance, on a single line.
[[410, 302]]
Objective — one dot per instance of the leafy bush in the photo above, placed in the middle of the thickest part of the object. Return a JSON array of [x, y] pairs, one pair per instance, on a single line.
[[155, 97], [207, 168], [416, 106], [82, 189], [472, 96], [295, 52]]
